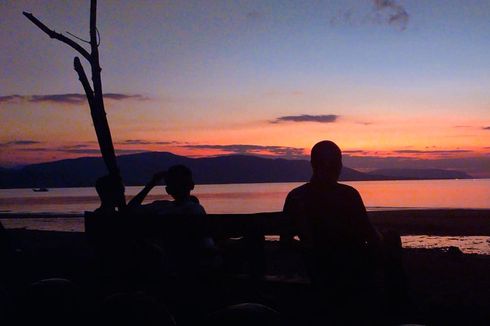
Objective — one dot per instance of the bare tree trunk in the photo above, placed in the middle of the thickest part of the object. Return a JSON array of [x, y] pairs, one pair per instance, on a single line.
[[98, 111], [94, 94]]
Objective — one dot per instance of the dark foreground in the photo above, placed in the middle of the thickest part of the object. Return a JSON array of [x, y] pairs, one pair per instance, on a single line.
[[445, 286]]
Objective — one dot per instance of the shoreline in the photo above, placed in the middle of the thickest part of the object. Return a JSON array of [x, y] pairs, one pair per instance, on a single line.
[[436, 222], [387, 178]]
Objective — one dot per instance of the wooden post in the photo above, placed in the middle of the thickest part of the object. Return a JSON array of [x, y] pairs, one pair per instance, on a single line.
[[94, 93]]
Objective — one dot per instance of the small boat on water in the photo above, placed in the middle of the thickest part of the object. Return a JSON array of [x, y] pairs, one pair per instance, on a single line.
[[40, 189]]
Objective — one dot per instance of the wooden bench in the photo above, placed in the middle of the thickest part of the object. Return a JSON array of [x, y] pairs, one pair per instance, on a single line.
[[250, 229]]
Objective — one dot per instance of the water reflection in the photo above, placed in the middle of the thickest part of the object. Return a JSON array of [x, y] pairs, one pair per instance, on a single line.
[[468, 244], [266, 197]]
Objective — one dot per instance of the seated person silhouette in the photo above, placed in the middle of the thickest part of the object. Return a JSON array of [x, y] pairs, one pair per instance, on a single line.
[[336, 237], [101, 222], [179, 184], [111, 193], [187, 246], [110, 232]]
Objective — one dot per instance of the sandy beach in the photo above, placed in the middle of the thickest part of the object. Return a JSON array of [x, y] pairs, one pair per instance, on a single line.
[[440, 222], [446, 287]]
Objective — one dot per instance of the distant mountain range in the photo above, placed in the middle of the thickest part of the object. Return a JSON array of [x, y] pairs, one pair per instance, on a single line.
[[422, 173], [137, 169]]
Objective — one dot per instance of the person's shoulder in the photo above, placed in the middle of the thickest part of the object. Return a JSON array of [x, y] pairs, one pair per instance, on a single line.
[[159, 203], [299, 192], [186, 208], [195, 208], [347, 190], [155, 207]]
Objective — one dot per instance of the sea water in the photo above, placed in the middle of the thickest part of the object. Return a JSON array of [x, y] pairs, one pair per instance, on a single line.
[[262, 197]]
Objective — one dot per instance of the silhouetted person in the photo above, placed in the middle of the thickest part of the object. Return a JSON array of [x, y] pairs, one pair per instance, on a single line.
[[189, 255], [110, 232], [337, 239], [179, 184], [106, 218], [187, 244], [111, 193]]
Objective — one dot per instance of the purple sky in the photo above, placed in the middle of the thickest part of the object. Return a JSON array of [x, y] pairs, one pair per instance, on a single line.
[[390, 81]]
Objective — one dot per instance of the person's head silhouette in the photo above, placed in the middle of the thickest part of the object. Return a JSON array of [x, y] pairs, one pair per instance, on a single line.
[[111, 191], [179, 182], [326, 161]]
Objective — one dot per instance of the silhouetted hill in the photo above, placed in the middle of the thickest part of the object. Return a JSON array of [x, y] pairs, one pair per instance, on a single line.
[[137, 169], [422, 173]]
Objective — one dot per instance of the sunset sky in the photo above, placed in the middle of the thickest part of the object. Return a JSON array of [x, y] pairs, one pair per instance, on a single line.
[[397, 84]]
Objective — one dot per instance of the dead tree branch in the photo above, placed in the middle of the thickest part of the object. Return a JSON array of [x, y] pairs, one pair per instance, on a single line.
[[77, 65], [94, 93], [60, 37], [98, 111], [78, 38]]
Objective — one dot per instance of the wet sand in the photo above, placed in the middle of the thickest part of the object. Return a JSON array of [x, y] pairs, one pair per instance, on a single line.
[[442, 222]]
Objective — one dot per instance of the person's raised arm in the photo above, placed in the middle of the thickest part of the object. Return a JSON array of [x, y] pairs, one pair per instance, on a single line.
[[138, 199]]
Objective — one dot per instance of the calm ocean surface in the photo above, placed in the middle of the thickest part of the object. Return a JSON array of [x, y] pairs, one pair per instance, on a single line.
[[265, 197]]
